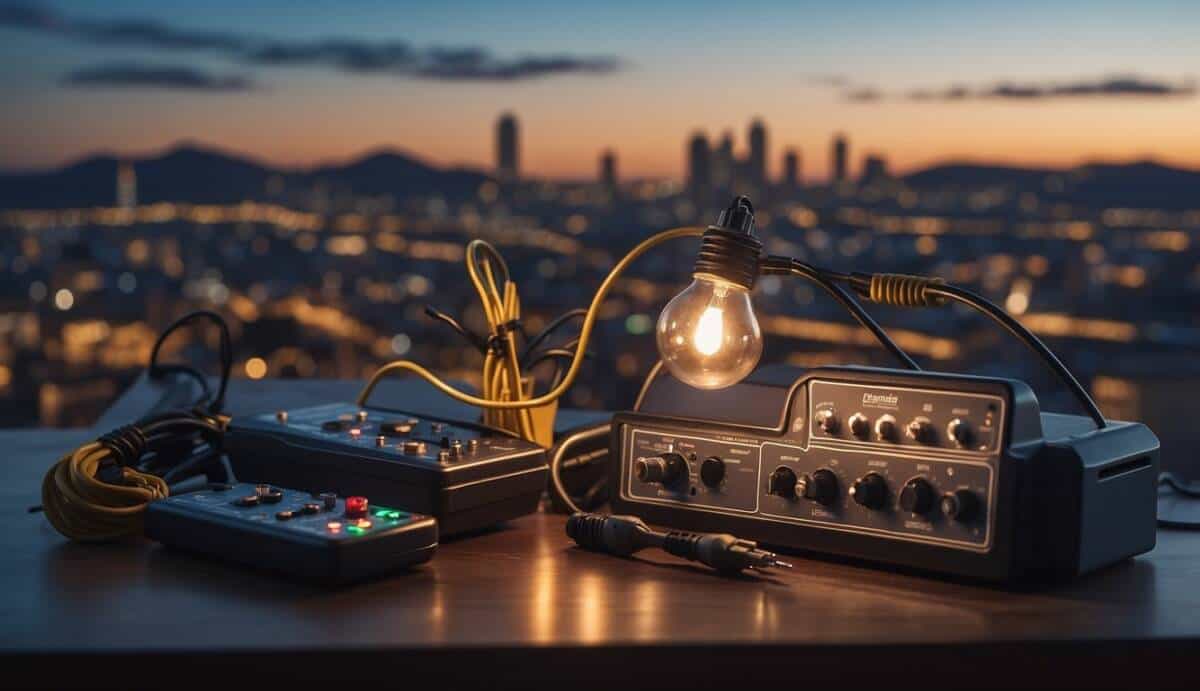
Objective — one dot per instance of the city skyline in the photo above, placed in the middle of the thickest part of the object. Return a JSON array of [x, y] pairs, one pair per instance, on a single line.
[[927, 82]]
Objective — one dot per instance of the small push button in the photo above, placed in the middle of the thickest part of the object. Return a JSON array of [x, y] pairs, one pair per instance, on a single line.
[[356, 507]]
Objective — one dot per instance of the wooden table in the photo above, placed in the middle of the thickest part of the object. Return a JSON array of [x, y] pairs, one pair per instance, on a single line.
[[519, 606]]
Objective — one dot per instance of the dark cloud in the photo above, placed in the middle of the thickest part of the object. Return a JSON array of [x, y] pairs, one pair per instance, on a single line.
[[157, 77], [864, 95], [347, 55], [1107, 87]]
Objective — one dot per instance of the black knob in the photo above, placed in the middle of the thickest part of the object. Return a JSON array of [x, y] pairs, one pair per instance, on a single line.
[[960, 505], [666, 469], [860, 426], [828, 421], [960, 432], [922, 431], [917, 496], [712, 472], [870, 490], [821, 486], [782, 483], [885, 428]]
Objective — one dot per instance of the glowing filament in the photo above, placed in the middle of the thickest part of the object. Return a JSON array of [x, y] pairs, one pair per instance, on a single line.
[[708, 336]]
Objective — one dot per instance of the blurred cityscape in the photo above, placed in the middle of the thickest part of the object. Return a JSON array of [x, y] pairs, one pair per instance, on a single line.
[[326, 272]]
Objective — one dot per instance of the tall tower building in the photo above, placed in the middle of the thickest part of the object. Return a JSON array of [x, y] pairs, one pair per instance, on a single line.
[[841, 150], [608, 169], [507, 160], [723, 163], [699, 164], [875, 168], [791, 169], [126, 185], [757, 162]]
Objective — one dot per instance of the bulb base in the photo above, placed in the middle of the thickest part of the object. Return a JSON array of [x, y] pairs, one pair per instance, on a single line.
[[730, 255]]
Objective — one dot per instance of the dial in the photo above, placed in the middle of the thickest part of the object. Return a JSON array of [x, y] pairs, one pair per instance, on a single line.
[[828, 421], [782, 483], [821, 486], [917, 496], [960, 431], [960, 505], [860, 426], [870, 490], [885, 428], [712, 472], [922, 430], [666, 469]]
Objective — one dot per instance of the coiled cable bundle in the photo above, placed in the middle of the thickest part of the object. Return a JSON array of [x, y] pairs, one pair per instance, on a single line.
[[99, 491]]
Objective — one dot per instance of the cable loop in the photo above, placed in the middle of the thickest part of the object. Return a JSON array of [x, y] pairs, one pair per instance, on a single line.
[[127, 443], [903, 290]]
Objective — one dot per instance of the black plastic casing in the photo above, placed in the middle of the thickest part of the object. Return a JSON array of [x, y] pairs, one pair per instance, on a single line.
[[464, 496], [1068, 498]]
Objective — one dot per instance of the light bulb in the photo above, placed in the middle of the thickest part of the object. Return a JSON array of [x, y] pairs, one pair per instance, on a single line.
[[708, 336]]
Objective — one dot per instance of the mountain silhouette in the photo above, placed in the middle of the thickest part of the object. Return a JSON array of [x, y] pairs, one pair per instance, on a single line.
[[1142, 184], [201, 175]]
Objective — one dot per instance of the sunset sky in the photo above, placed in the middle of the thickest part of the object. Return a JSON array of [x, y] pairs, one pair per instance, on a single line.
[[1046, 83]]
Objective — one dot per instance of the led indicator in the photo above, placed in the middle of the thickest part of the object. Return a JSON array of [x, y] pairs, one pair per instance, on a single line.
[[363, 523], [333, 526]]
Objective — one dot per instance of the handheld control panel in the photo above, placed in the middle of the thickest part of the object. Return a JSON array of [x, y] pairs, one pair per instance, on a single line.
[[926, 470], [315, 536], [465, 475]]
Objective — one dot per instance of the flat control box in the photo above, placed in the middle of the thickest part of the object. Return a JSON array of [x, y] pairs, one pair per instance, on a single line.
[[940, 472], [465, 475], [319, 537]]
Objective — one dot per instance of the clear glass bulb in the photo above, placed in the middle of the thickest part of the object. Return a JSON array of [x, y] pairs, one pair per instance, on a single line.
[[708, 336]]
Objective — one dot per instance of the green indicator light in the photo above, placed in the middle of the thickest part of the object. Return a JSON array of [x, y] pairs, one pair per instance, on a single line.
[[393, 514], [355, 529], [383, 513]]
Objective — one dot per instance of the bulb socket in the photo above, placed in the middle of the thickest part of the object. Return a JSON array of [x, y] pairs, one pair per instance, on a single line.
[[730, 255]]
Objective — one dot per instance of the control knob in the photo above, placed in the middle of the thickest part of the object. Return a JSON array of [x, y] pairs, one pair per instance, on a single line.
[[917, 496], [860, 426], [922, 430], [828, 421], [712, 472], [666, 469], [821, 486], [870, 490], [782, 483], [959, 431], [960, 505], [885, 428]]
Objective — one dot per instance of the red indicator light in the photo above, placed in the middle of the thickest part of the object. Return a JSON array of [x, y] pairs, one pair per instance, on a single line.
[[356, 507]]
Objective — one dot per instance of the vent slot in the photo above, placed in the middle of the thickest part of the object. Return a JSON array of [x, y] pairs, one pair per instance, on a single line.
[[1124, 468]]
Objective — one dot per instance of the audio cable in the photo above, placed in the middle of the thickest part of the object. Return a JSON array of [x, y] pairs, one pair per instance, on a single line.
[[99, 491], [623, 536]]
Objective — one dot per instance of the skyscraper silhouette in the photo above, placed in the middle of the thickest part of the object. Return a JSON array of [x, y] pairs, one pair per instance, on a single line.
[[874, 168], [507, 161], [608, 169], [126, 185], [699, 164], [756, 164], [722, 162], [841, 150], [791, 169]]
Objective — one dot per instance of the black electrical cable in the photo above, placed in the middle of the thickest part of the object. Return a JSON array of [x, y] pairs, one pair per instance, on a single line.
[[545, 333], [776, 265], [225, 354], [923, 291], [1017, 329], [474, 339]]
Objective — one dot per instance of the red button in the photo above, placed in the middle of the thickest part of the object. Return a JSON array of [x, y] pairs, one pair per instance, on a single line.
[[356, 506]]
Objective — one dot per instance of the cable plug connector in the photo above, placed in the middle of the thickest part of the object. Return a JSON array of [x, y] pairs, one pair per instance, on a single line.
[[624, 535]]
